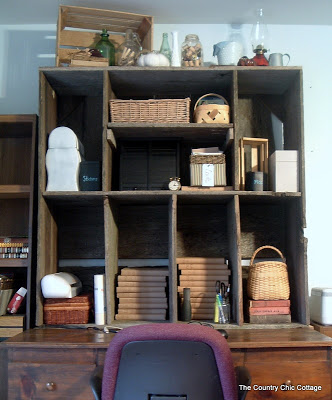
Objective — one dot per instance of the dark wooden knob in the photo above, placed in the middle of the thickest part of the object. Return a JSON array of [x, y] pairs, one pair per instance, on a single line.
[[288, 382], [50, 386]]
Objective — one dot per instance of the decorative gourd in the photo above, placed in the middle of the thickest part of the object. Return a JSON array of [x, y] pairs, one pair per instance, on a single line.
[[153, 59]]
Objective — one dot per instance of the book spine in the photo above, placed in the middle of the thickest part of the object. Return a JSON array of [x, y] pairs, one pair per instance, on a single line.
[[269, 310], [200, 260], [269, 303], [202, 266]]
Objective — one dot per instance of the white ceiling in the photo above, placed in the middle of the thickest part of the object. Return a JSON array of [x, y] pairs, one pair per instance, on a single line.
[[292, 12]]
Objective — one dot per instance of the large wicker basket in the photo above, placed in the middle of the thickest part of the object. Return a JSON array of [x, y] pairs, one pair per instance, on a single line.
[[268, 280], [68, 311], [151, 111], [211, 113]]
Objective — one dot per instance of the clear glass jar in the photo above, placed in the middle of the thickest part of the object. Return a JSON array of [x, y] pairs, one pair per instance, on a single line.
[[192, 52], [129, 51]]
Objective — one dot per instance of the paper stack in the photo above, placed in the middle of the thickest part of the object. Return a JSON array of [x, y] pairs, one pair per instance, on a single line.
[[200, 275], [142, 294]]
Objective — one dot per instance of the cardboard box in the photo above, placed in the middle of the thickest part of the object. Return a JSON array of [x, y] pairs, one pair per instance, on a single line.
[[80, 27], [283, 171], [321, 305]]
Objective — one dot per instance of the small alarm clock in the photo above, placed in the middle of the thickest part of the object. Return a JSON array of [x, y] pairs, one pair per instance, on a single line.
[[174, 184]]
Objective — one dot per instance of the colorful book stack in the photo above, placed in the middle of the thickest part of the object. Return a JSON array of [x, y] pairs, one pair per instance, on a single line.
[[200, 275], [14, 247], [142, 294], [269, 311]]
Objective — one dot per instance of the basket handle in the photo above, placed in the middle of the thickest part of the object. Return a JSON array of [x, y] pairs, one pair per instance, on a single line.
[[266, 247], [210, 94]]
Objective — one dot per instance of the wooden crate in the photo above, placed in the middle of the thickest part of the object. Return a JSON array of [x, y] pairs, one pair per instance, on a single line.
[[80, 27]]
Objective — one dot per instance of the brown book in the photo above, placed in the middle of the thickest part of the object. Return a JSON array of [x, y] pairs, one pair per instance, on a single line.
[[144, 271], [15, 320], [147, 295], [6, 332], [202, 266], [202, 315], [205, 274], [140, 316], [142, 310], [269, 303], [141, 280], [197, 283], [138, 301], [142, 284], [200, 260], [142, 306], [202, 307], [269, 310], [209, 188], [141, 289], [198, 301], [270, 319]]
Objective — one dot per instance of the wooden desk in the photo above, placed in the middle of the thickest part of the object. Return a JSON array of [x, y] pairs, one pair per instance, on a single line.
[[57, 363]]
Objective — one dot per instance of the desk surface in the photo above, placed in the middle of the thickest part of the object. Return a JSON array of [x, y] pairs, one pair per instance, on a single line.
[[238, 338]]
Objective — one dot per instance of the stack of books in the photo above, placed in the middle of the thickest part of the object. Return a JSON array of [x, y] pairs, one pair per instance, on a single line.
[[200, 275], [269, 311], [14, 247], [142, 294]]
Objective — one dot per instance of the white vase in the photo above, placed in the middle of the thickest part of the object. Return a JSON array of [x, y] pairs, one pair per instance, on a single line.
[[63, 159], [175, 61]]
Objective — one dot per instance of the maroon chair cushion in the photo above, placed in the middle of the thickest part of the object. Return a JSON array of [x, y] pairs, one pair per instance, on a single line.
[[170, 331]]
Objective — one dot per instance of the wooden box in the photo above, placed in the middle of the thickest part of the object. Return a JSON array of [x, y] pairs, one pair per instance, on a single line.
[[79, 28]]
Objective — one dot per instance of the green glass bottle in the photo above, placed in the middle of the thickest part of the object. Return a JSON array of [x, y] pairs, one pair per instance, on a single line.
[[165, 48], [106, 48]]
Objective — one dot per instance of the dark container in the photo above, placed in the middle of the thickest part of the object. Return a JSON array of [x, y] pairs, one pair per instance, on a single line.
[[90, 176], [256, 181]]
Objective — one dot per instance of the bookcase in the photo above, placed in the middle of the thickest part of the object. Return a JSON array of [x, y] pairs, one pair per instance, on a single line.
[[87, 233], [17, 168]]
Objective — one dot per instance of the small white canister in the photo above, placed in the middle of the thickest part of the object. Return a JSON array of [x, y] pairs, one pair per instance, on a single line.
[[321, 305]]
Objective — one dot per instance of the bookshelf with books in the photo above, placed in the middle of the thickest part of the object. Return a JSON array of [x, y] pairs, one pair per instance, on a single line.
[[17, 169]]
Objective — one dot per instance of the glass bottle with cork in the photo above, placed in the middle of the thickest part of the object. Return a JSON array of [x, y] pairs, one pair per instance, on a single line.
[[106, 47], [129, 50]]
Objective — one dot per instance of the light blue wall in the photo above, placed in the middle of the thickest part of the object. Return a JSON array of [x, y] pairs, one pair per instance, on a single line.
[[25, 48]]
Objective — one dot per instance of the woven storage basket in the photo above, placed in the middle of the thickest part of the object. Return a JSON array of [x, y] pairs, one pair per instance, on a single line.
[[196, 170], [268, 280], [68, 311], [152, 111], [211, 113]]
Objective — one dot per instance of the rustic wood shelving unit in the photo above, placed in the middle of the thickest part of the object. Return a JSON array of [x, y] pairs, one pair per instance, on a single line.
[[111, 225]]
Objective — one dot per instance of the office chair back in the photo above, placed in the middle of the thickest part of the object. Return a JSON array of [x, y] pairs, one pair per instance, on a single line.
[[169, 361]]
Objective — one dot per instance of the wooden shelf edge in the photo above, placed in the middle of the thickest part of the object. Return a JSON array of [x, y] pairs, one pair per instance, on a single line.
[[14, 262], [14, 191]]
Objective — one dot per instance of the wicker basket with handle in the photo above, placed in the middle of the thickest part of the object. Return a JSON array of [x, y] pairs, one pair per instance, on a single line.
[[211, 113], [268, 280]]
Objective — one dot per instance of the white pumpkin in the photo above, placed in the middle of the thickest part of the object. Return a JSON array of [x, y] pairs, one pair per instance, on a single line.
[[153, 59]]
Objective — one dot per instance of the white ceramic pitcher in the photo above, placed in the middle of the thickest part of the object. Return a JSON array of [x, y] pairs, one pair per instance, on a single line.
[[228, 53]]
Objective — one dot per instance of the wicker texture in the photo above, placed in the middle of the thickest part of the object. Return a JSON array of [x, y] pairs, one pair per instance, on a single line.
[[211, 113], [208, 159], [67, 311], [150, 111], [268, 280]]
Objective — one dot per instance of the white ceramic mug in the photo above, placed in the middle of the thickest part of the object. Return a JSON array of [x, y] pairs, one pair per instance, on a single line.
[[277, 59]]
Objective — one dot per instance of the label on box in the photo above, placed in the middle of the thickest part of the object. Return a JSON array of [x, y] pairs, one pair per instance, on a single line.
[[207, 175]]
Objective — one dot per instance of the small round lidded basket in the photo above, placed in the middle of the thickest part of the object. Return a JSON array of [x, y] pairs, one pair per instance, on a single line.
[[211, 108], [268, 280]]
